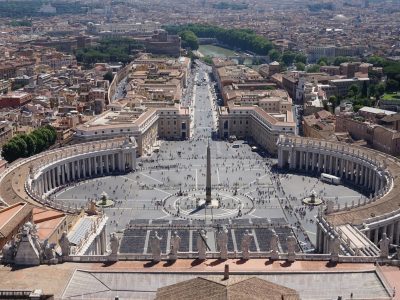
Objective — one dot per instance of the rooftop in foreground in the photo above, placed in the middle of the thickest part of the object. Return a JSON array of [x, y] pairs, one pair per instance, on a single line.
[[306, 277]]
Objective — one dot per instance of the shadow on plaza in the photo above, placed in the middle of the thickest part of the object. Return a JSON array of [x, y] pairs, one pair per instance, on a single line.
[[331, 264], [286, 264], [269, 262], [108, 264], [17, 268], [241, 261], [216, 262], [197, 262], [169, 263], [150, 264]]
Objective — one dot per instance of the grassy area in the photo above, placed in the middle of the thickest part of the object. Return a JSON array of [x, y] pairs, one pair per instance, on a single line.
[[391, 96]]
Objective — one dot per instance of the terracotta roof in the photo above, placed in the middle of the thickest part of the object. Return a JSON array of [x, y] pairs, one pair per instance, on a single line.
[[233, 288], [13, 216]]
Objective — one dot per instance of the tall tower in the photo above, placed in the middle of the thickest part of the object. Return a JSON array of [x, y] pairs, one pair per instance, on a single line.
[[208, 179]]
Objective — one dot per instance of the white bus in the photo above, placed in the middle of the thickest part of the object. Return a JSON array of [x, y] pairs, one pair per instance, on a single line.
[[330, 178]]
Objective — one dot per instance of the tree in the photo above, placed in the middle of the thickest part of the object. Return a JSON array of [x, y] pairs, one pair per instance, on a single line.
[[364, 89], [274, 55], [189, 40], [392, 86], [380, 90], [341, 59], [288, 57], [313, 68], [26, 145], [334, 100], [22, 146], [301, 58], [300, 66], [108, 76], [372, 90], [353, 91], [30, 143], [326, 106], [323, 61], [10, 151], [377, 61]]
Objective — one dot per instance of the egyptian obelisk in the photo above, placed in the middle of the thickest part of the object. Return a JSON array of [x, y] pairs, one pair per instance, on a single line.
[[208, 179]]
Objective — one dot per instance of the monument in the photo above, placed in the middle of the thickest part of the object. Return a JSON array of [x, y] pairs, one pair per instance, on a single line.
[[245, 245], [222, 242], [155, 247], [384, 244], [291, 246], [175, 242], [274, 245], [208, 179], [202, 244]]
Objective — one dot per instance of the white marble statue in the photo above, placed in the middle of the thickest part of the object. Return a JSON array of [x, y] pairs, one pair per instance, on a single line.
[[49, 252], [245, 244], [65, 244], [114, 243], [202, 244], [8, 251], [222, 241], [274, 245], [175, 242], [155, 247], [384, 246], [291, 245], [335, 249]]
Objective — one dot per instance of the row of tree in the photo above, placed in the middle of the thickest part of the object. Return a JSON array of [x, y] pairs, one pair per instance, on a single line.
[[287, 58], [244, 39], [108, 50], [25, 145]]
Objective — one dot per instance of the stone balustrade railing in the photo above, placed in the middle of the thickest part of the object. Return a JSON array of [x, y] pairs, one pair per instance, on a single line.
[[32, 165], [377, 160]]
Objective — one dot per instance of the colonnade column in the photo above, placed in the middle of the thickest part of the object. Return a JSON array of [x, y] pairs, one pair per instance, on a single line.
[[397, 234], [376, 233], [113, 161], [301, 160], [107, 164], [90, 166]]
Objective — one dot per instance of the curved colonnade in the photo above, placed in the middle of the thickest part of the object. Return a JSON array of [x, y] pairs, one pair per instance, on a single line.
[[33, 179], [373, 172]]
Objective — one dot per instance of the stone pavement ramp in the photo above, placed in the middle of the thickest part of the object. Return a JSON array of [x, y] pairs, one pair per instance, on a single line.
[[84, 283], [143, 285]]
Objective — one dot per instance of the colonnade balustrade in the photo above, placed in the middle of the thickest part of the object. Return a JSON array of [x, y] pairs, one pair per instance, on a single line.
[[48, 171], [369, 170], [345, 162]]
